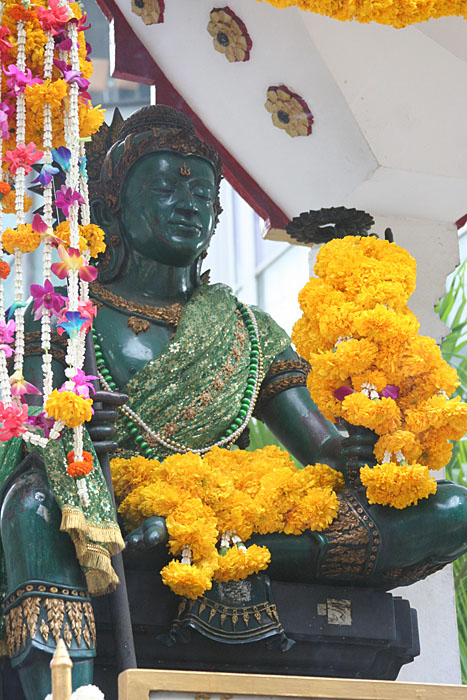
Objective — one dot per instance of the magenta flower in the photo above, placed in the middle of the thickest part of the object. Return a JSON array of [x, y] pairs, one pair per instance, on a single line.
[[390, 392], [38, 224], [42, 422], [83, 383], [7, 336], [14, 417], [23, 157], [66, 198], [342, 392], [20, 387], [46, 298], [81, 25], [17, 80]]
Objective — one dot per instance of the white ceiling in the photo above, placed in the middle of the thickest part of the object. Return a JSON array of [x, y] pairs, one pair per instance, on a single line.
[[390, 106]]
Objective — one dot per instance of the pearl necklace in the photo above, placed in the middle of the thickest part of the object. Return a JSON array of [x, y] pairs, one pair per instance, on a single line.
[[238, 425]]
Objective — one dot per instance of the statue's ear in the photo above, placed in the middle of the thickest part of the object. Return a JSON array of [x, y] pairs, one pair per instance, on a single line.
[[101, 213]]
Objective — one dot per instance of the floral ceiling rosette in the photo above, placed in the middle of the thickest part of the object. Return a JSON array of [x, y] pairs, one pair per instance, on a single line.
[[370, 366], [150, 11], [230, 35], [398, 13], [289, 111], [46, 116]]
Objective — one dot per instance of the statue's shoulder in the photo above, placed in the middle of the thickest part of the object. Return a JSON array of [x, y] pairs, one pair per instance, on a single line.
[[274, 339]]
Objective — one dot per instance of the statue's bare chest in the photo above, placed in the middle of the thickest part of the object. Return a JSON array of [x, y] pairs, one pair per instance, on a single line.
[[128, 342]]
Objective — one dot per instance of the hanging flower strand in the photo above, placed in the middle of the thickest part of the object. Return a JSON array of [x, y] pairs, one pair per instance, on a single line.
[[42, 112]]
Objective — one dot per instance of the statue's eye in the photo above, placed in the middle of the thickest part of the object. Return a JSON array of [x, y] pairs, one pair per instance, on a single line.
[[163, 188], [202, 193]]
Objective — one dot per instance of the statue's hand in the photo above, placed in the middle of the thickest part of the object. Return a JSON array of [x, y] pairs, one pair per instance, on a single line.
[[101, 427], [358, 447], [150, 534]]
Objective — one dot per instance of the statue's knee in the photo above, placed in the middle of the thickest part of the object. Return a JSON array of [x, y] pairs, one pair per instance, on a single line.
[[33, 545]]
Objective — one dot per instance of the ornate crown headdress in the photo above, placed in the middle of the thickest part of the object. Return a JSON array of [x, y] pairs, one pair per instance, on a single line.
[[115, 148]]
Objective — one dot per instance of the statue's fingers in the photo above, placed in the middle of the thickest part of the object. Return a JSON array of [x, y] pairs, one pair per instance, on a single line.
[[105, 446], [135, 540], [101, 432], [155, 532], [103, 416], [113, 398], [359, 440]]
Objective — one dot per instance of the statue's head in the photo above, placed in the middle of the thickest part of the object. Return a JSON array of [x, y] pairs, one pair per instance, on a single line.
[[158, 192]]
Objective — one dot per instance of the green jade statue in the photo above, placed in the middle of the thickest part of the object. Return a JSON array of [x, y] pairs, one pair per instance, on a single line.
[[181, 350]]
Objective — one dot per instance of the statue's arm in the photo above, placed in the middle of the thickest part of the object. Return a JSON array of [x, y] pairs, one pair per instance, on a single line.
[[288, 411]]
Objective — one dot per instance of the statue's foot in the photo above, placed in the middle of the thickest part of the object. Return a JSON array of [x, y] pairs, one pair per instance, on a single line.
[[151, 534]]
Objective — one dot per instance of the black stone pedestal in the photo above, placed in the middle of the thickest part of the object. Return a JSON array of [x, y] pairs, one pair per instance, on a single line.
[[342, 632]]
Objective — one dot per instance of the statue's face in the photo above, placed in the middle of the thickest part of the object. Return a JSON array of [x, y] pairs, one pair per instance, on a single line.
[[168, 207]]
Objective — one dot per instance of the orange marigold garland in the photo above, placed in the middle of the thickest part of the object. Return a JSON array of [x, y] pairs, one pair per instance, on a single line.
[[213, 504], [370, 366]]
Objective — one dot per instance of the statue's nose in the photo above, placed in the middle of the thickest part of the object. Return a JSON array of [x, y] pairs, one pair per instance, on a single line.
[[185, 200]]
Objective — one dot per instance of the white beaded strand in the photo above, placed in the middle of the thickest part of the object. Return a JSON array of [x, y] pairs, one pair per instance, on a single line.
[[47, 373], [19, 200]]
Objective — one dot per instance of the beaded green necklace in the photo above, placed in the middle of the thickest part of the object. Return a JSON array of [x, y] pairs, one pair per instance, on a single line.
[[134, 423]]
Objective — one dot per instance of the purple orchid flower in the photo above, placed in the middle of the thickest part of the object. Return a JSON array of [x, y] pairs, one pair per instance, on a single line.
[[17, 80], [46, 174], [63, 42], [342, 392], [73, 324], [71, 76], [80, 23], [66, 198], [390, 392], [7, 336], [46, 298], [42, 422], [83, 383]]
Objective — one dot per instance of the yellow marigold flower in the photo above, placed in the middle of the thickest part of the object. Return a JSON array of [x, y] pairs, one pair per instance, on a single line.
[[315, 511], [23, 238], [73, 410], [395, 485], [186, 580], [381, 415], [94, 237], [193, 524], [402, 440], [8, 203], [236, 565], [90, 120], [48, 92], [129, 474], [371, 376]]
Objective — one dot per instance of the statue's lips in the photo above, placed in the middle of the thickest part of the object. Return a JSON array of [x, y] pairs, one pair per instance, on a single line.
[[186, 226]]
